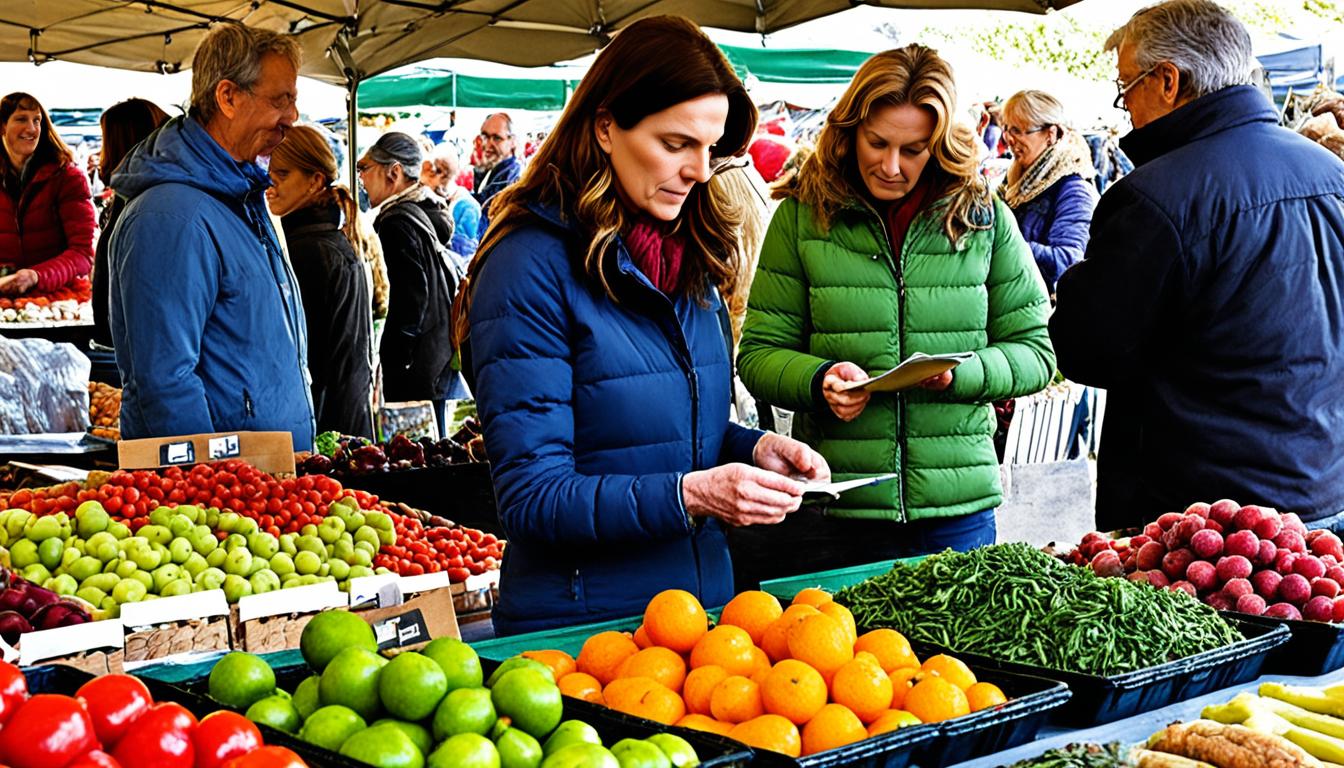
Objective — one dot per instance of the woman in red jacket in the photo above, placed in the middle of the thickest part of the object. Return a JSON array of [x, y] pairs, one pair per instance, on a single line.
[[46, 214]]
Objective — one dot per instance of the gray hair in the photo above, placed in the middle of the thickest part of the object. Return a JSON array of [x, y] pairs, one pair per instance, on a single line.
[[400, 148], [1206, 43], [233, 52], [447, 160], [1036, 108]]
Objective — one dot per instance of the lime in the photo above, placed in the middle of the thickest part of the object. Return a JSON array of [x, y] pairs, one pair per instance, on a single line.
[[411, 686], [530, 699], [518, 662], [581, 756], [633, 753], [517, 749], [351, 680], [277, 712], [418, 733], [466, 710], [677, 749], [570, 732], [240, 680], [306, 699], [331, 632], [329, 727], [459, 661], [383, 746], [465, 750]]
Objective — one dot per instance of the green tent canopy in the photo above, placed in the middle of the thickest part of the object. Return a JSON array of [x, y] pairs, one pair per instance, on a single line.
[[431, 87]]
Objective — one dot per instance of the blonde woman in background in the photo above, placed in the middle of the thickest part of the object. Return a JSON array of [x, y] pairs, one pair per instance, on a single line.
[[325, 238], [1049, 184], [887, 243]]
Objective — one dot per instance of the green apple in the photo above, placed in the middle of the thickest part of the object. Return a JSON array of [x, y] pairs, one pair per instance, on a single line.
[[180, 525], [216, 558], [264, 581], [160, 516], [195, 564], [235, 541], [91, 519], [179, 550], [118, 530], [129, 591], [238, 562], [263, 544], [23, 553], [64, 584], [236, 587], [287, 543], [331, 529], [210, 578], [164, 574], [306, 563], [228, 522], [202, 539], [157, 534], [189, 511], [84, 567]]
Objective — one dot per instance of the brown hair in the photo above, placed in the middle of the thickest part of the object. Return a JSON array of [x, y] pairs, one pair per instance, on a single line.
[[124, 125], [50, 146], [913, 75], [653, 64], [305, 149]]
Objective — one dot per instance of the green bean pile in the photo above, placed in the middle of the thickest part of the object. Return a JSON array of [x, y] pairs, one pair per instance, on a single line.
[[1015, 603], [1079, 756]]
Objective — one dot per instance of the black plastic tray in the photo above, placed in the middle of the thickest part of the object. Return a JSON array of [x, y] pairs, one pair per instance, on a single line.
[[1315, 648], [1031, 700], [1097, 699], [56, 678], [714, 751]]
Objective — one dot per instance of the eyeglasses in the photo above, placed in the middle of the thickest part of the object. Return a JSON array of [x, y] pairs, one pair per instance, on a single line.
[[281, 102], [363, 167], [495, 138], [1121, 89], [1018, 133]]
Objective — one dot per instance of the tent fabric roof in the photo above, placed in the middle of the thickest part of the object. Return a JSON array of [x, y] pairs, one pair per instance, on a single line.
[[356, 39]]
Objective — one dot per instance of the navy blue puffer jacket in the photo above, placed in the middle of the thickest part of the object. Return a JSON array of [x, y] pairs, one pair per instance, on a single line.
[[1055, 225], [593, 410], [1211, 306]]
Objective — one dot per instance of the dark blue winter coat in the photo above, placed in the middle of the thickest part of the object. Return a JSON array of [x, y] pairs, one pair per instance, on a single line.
[[1055, 223], [1211, 307], [206, 318], [593, 411]]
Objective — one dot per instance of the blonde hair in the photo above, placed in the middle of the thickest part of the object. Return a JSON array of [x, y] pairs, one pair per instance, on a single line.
[[233, 52], [305, 149], [1035, 108], [913, 75], [652, 65]]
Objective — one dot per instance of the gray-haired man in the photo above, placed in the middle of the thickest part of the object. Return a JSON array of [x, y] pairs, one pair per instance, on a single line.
[[1210, 302], [205, 311]]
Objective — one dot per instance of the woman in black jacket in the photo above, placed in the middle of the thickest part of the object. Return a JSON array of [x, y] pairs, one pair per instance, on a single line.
[[323, 232], [414, 228]]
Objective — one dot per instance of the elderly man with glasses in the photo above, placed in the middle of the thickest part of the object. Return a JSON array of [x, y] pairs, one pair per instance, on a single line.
[[1210, 302], [499, 166], [205, 309]]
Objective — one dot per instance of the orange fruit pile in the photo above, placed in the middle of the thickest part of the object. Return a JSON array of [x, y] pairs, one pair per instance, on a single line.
[[796, 681]]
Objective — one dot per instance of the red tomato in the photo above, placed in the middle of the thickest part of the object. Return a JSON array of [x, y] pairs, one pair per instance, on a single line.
[[13, 690], [47, 730], [95, 759], [267, 757], [161, 738], [114, 702], [223, 735]]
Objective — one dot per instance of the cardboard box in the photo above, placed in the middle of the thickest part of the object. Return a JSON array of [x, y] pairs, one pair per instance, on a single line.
[[169, 626], [407, 625], [271, 452], [95, 646]]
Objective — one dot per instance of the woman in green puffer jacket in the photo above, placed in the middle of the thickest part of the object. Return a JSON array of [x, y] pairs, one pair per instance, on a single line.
[[890, 243]]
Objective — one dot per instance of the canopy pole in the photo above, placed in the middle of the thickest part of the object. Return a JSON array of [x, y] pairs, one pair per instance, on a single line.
[[351, 130]]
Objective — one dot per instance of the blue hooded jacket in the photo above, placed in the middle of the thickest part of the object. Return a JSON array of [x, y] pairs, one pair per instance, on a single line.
[[593, 411], [206, 318], [1055, 225], [1211, 307]]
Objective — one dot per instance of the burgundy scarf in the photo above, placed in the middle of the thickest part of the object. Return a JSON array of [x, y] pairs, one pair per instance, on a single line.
[[656, 252], [901, 213]]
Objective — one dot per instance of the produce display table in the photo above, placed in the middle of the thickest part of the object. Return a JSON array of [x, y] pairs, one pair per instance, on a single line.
[[1140, 727]]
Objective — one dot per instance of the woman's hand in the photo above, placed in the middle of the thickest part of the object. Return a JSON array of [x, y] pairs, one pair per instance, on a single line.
[[937, 383], [18, 283], [846, 405], [740, 495], [790, 457]]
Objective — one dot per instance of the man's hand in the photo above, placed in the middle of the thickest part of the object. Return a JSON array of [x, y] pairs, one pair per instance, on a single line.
[[18, 283], [740, 495], [846, 405], [790, 457]]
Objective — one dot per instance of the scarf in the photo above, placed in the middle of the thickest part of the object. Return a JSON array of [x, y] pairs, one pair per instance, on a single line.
[[657, 252], [412, 194], [901, 213], [1066, 157]]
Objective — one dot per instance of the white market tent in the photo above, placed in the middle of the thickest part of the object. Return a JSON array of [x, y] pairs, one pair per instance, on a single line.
[[347, 41]]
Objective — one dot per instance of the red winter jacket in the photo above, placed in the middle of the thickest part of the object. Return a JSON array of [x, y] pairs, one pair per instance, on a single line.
[[51, 229]]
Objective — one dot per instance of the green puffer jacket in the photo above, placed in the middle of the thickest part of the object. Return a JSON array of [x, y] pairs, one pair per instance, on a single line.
[[820, 298]]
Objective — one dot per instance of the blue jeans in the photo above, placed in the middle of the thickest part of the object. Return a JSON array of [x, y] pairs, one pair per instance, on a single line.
[[807, 542]]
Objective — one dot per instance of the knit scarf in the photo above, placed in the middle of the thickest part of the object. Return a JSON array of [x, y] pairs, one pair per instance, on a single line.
[[657, 252], [412, 194], [1065, 157]]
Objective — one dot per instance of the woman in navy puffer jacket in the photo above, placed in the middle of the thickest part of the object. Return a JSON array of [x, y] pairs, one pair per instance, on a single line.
[[601, 365], [1049, 185]]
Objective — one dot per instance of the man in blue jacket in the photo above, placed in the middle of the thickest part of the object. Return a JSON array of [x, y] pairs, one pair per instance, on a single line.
[[205, 310], [1209, 303], [499, 166]]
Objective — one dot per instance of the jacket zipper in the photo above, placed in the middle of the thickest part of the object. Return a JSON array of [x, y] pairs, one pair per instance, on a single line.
[[247, 403], [897, 263]]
